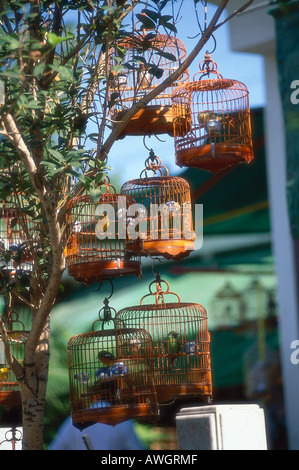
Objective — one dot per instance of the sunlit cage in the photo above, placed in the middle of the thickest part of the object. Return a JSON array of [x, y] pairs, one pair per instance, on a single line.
[[163, 219], [15, 338], [218, 133], [96, 247], [18, 237], [111, 374], [149, 58], [181, 343]]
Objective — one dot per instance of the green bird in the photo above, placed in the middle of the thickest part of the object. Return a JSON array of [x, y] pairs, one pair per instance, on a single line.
[[172, 343]]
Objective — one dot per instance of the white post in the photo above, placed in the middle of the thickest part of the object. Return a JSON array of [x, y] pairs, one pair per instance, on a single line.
[[221, 427], [283, 247]]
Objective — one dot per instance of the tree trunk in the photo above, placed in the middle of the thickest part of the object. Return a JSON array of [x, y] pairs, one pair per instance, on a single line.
[[33, 393]]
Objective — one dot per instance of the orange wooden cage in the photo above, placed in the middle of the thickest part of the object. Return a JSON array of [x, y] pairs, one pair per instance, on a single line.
[[181, 343], [165, 224], [111, 374], [97, 239], [217, 132], [149, 58]]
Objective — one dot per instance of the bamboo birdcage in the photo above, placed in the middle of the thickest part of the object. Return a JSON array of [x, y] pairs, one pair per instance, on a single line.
[[17, 335], [111, 374], [181, 343], [165, 225], [218, 133], [149, 58], [97, 240], [18, 238]]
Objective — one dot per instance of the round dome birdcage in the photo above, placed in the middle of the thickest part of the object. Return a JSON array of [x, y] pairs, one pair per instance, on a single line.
[[97, 241], [111, 374], [17, 336], [181, 343], [149, 58], [218, 133], [164, 219]]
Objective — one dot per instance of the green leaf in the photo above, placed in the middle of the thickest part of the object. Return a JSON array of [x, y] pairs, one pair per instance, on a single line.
[[95, 194]]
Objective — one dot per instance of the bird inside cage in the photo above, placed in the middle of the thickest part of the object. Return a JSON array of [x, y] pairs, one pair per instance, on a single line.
[[111, 374], [219, 133], [97, 240], [16, 338], [149, 58], [163, 222], [180, 339]]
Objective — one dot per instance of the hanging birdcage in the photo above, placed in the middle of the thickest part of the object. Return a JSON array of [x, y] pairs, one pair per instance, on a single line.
[[181, 343], [218, 134], [16, 338], [227, 307], [97, 240], [149, 58], [163, 218], [18, 238], [111, 374]]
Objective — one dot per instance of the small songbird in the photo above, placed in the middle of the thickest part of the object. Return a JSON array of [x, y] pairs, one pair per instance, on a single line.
[[172, 343], [3, 374], [103, 222], [82, 377], [106, 358]]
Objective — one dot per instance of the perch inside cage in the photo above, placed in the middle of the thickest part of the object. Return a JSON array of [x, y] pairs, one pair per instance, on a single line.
[[111, 374], [219, 133], [163, 220], [149, 58], [181, 343], [16, 338], [97, 240]]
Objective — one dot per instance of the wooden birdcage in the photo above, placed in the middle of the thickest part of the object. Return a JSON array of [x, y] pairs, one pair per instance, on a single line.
[[10, 394], [149, 58], [18, 238], [181, 343], [218, 133], [111, 374], [97, 239], [164, 219]]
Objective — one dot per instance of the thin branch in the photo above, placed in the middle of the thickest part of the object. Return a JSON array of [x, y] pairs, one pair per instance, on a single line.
[[235, 13]]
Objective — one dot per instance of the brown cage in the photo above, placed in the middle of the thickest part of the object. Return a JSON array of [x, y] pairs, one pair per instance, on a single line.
[[111, 375], [97, 240], [10, 394], [164, 219], [18, 237], [218, 132], [181, 343], [150, 57]]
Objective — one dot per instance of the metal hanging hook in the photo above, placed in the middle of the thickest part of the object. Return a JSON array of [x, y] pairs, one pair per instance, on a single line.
[[112, 288]]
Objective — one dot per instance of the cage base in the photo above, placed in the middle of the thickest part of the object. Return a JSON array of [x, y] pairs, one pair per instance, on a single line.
[[166, 393], [100, 270], [113, 415], [224, 156], [10, 398], [149, 120], [169, 249]]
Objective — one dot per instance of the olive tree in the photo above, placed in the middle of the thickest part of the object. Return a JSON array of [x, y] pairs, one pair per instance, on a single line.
[[56, 74]]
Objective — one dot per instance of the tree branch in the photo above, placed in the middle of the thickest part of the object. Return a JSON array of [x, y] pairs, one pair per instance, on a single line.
[[235, 13]]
